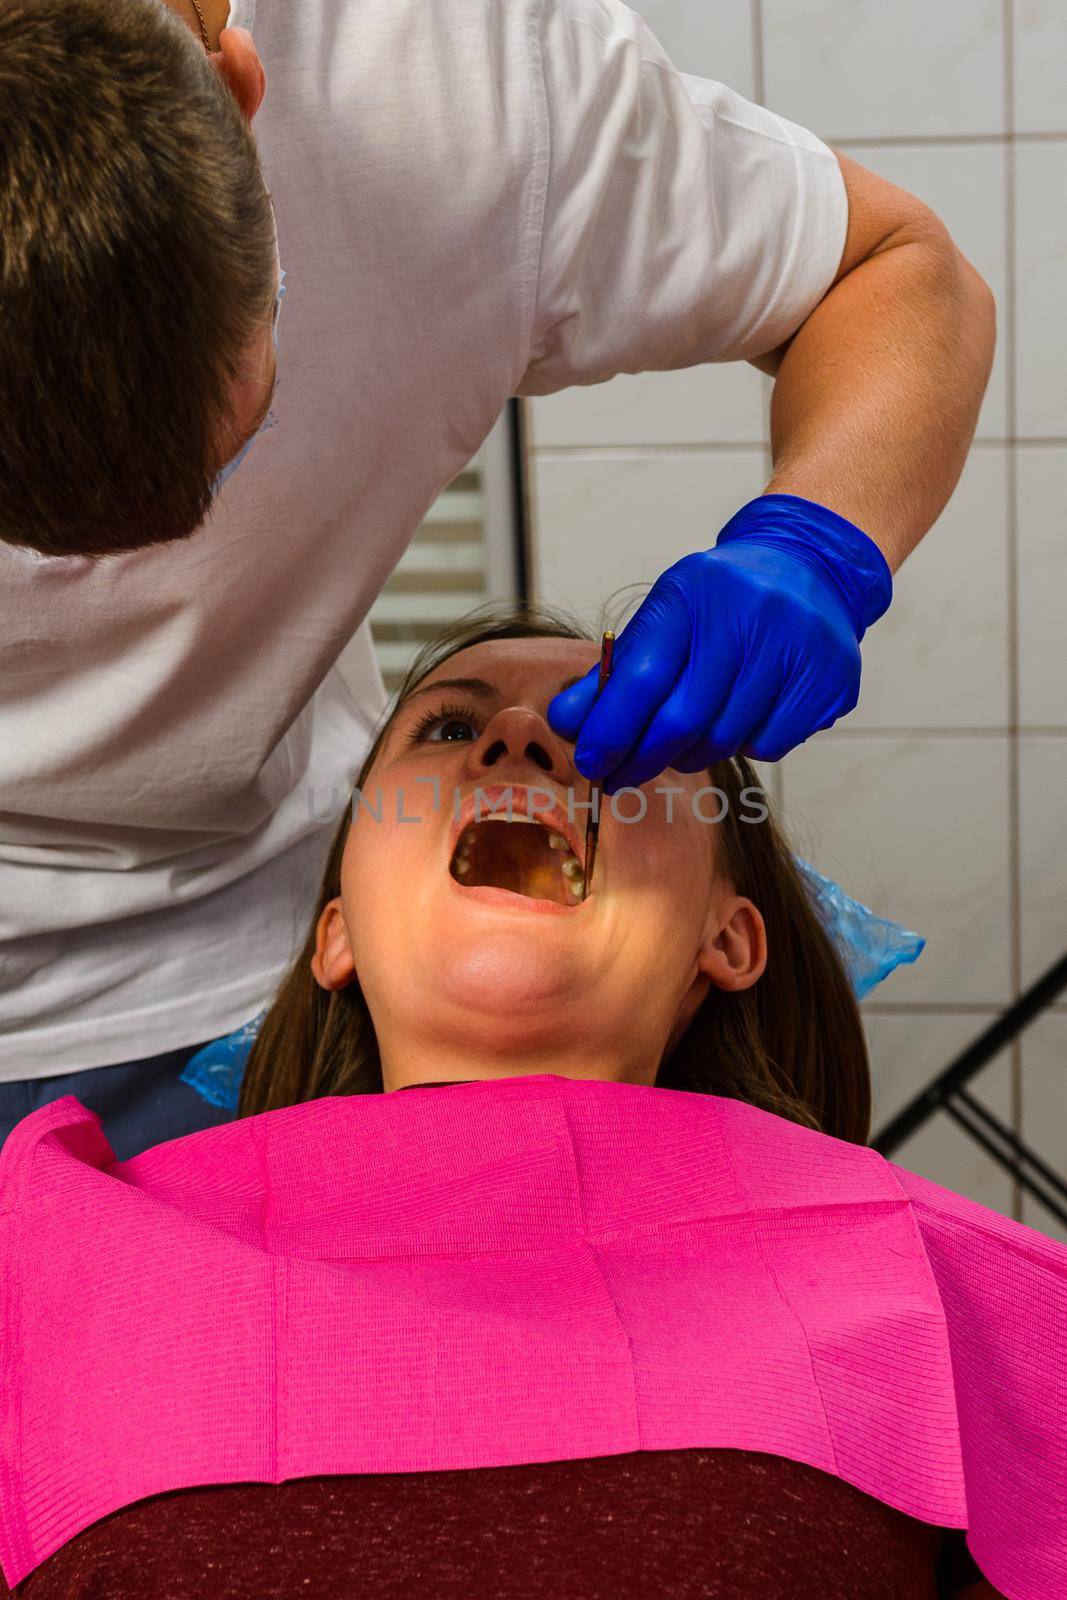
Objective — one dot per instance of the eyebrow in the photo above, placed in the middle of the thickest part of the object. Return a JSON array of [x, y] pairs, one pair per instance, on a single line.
[[475, 686]]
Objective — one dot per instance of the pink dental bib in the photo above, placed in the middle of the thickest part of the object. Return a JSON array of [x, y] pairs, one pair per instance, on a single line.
[[520, 1270]]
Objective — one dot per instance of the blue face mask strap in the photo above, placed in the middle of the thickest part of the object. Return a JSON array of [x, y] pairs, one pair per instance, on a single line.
[[870, 947], [269, 420], [231, 466]]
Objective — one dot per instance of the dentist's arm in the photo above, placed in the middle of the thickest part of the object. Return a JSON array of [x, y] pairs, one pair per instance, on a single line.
[[753, 645], [876, 397]]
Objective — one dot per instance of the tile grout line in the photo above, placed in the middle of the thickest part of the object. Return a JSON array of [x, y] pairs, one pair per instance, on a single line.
[[929, 1008], [944, 1008], [1011, 400], [955, 732], [617, 452], [947, 140], [1030, 441], [759, 95], [759, 79], [638, 451]]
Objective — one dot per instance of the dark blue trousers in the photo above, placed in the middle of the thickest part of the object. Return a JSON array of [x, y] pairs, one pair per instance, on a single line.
[[141, 1103]]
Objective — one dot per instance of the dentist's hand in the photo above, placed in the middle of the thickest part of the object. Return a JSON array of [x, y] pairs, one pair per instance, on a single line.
[[752, 647]]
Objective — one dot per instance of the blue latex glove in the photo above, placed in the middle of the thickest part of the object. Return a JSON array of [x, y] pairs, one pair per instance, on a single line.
[[750, 647]]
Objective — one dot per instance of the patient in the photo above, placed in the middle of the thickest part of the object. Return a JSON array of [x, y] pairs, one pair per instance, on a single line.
[[696, 963], [450, 945]]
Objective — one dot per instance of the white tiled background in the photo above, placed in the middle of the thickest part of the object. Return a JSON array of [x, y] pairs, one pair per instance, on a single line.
[[942, 801]]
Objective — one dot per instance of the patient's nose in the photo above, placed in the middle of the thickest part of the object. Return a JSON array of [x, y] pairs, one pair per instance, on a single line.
[[522, 734]]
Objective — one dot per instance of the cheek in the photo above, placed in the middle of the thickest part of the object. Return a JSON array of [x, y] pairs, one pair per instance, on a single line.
[[366, 907], [384, 878], [356, 884], [674, 852]]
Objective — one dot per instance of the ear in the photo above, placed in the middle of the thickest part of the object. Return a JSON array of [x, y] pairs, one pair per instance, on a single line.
[[332, 966], [238, 65], [734, 955]]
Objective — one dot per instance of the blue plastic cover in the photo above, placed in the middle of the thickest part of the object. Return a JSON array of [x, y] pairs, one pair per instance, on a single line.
[[870, 946]]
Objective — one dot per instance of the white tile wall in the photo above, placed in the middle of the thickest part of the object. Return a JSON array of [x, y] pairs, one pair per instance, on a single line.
[[907, 1049], [937, 658], [608, 520], [865, 69], [1041, 273], [715, 403], [906, 1052], [1040, 66], [1042, 502], [1044, 1086], [918, 830], [942, 801], [713, 41], [1043, 855]]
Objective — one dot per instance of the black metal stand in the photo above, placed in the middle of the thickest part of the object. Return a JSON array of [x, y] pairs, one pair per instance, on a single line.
[[947, 1093], [521, 490]]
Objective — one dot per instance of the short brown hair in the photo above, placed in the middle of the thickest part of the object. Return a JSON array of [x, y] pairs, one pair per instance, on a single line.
[[793, 1044], [136, 265]]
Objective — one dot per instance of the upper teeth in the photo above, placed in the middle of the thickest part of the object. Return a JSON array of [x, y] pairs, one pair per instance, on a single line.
[[571, 866], [469, 834]]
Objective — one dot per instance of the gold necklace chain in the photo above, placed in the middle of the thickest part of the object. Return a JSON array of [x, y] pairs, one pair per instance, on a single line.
[[203, 25]]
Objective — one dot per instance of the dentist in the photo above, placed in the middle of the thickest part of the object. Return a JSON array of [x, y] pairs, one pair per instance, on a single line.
[[202, 493]]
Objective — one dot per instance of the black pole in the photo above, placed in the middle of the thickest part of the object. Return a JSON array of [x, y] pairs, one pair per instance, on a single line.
[[521, 501], [1002, 1031]]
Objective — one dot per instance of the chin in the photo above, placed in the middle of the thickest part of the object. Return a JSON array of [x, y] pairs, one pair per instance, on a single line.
[[505, 975]]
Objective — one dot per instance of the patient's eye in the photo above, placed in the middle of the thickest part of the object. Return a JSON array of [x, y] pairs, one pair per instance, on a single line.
[[447, 716]]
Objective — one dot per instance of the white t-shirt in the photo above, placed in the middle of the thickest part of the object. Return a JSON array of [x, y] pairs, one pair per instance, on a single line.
[[475, 199]]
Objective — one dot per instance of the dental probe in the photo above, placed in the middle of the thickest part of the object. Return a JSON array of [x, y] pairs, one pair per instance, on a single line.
[[592, 827]]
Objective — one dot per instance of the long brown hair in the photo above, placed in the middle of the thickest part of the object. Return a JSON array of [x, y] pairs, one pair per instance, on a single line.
[[793, 1044]]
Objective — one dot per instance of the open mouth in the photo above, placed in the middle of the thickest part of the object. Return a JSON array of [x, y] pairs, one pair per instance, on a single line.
[[522, 856]]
